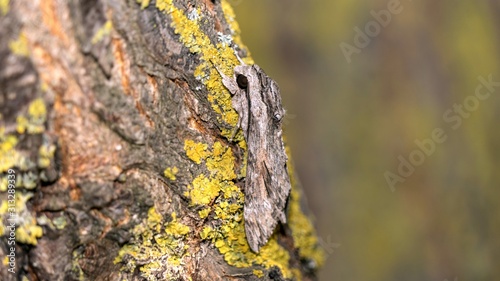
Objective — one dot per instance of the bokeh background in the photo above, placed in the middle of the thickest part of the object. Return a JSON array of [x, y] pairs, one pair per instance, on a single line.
[[348, 123]]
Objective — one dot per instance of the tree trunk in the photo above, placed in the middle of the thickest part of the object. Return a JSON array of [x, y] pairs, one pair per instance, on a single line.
[[117, 161]]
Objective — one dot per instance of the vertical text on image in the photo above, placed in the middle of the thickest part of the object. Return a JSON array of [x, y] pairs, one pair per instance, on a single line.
[[12, 218]]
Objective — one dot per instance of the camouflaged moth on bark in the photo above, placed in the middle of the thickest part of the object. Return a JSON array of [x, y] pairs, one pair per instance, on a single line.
[[256, 98]]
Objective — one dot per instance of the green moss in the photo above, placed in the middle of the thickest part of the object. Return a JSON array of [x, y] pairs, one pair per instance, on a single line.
[[20, 45], [158, 246], [102, 32], [170, 173]]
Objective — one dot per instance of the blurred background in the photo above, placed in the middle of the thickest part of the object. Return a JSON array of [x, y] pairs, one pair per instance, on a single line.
[[357, 107]]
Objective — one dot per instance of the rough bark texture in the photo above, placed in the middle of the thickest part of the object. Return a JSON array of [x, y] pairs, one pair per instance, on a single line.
[[116, 126]]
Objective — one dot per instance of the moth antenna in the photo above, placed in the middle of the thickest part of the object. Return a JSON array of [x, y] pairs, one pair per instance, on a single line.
[[287, 117], [239, 58]]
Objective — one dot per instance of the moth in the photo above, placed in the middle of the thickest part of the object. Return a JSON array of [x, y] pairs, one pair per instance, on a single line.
[[256, 98]]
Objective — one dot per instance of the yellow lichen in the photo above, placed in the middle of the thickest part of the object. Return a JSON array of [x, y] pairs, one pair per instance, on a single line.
[[304, 235], [158, 246], [221, 162], [195, 151], [176, 228], [27, 229], [230, 238], [203, 190], [105, 30], [45, 155], [297, 274], [8, 155], [28, 232], [154, 220], [163, 5], [205, 232], [204, 213], [235, 29], [37, 109], [151, 267], [22, 123], [27, 180], [258, 273], [220, 55], [4, 183], [4, 6], [60, 222], [20, 45], [144, 3], [76, 269], [37, 115], [303, 232], [170, 173]]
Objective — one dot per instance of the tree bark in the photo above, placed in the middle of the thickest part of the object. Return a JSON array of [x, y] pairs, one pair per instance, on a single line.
[[116, 136]]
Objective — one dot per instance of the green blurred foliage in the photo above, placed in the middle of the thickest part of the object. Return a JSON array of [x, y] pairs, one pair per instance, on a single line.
[[348, 123]]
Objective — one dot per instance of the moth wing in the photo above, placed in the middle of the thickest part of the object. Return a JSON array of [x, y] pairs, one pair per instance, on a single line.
[[240, 104], [260, 211], [280, 179], [267, 184], [266, 194]]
